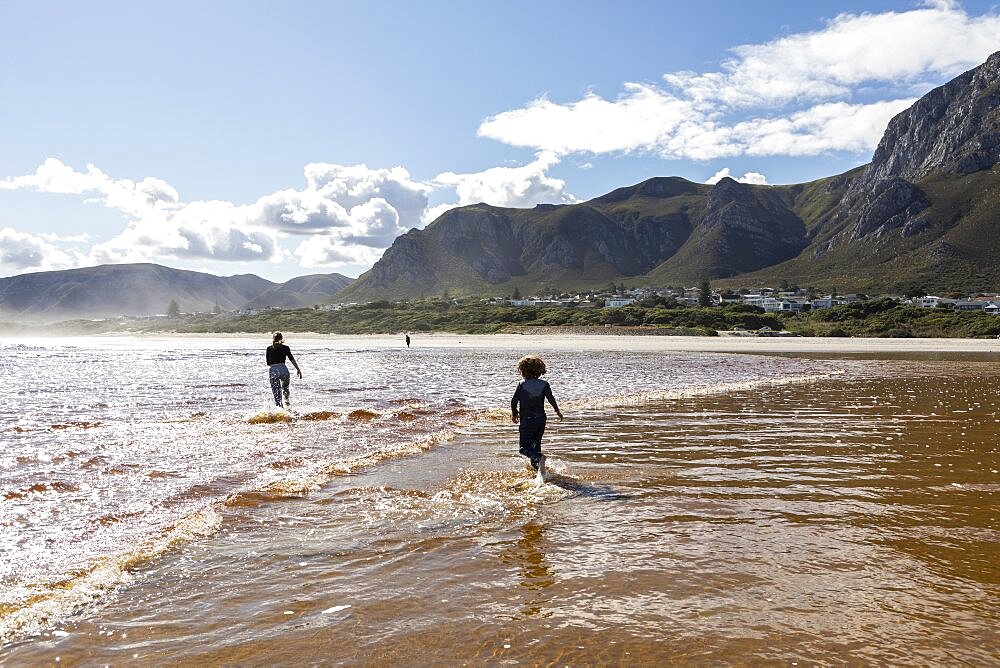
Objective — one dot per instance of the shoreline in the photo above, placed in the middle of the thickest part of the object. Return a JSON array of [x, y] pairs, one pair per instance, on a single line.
[[577, 341]]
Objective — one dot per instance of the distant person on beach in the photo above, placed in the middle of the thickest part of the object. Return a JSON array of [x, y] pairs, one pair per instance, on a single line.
[[278, 374], [407, 340], [527, 409]]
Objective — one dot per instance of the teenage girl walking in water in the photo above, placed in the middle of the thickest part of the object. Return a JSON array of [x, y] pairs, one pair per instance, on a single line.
[[277, 370], [530, 395]]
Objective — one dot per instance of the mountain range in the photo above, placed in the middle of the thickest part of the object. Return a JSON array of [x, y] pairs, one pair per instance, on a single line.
[[147, 289], [924, 214]]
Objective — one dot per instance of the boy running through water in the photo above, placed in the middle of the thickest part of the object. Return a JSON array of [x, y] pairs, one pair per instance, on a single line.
[[531, 394]]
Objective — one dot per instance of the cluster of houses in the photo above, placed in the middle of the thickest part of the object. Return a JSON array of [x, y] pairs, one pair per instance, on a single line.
[[770, 300], [784, 302], [790, 303], [318, 307], [986, 303]]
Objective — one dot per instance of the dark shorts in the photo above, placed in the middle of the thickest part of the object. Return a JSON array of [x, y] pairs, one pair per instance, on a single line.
[[531, 430]]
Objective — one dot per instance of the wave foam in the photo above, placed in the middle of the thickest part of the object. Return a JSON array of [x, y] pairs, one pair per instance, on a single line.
[[63, 598]]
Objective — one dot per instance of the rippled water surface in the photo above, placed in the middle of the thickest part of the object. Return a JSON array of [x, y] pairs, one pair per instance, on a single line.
[[701, 507]]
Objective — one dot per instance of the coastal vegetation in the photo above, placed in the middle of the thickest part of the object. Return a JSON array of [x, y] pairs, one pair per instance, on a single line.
[[888, 318], [873, 318]]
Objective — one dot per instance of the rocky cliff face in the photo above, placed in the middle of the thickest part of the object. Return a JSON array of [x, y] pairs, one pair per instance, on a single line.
[[953, 130], [485, 240], [405, 262], [891, 203], [757, 215]]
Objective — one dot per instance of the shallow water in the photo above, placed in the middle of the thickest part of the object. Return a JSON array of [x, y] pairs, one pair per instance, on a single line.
[[701, 508]]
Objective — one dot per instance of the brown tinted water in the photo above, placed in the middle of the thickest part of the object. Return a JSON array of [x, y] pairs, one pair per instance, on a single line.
[[851, 519]]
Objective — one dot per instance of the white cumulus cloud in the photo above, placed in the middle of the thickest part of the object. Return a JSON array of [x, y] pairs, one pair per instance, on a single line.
[[939, 40], [344, 215], [791, 96], [353, 211], [834, 126], [521, 187], [331, 251], [754, 178], [130, 197], [20, 251]]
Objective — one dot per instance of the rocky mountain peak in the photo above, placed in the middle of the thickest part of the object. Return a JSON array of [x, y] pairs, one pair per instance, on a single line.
[[728, 191], [662, 187], [954, 129]]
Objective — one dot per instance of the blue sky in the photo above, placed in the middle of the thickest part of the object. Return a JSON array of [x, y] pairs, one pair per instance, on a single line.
[[294, 138]]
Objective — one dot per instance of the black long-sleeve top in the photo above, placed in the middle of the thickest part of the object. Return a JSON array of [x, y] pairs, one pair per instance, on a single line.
[[531, 394], [277, 354]]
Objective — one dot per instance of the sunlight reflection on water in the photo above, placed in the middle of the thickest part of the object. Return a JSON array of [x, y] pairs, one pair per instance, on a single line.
[[112, 441], [698, 510]]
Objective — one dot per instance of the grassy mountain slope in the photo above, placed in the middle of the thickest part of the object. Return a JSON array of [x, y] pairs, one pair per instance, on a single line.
[[957, 246], [133, 289], [147, 289], [743, 228], [482, 249], [302, 291]]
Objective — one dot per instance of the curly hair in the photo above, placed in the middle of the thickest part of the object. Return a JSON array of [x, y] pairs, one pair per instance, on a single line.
[[531, 366]]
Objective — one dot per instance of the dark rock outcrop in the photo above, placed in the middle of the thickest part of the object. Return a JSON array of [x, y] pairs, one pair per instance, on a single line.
[[891, 204], [484, 240], [753, 227], [405, 262]]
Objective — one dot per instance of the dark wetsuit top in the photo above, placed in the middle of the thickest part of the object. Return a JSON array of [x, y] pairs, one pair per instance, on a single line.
[[531, 393], [277, 354]]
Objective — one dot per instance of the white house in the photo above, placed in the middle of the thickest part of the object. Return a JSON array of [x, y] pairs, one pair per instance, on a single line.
[[969, 306], [930, 301], [790, 306], [771, 305], [826, 302], [993, 308], [753, 300], [618, 301]]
